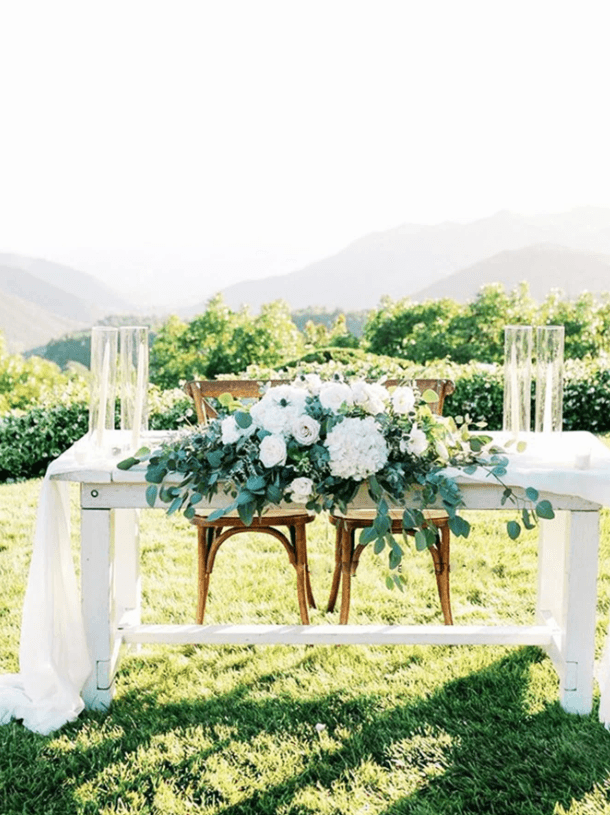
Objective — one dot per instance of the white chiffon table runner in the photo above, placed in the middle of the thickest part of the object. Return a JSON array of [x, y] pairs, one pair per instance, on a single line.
[[53, 659]]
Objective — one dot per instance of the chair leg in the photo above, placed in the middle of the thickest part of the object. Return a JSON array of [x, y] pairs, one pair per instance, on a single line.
[[334, 589], [205, 538], [302, 573], [440, 555], [347, 549]]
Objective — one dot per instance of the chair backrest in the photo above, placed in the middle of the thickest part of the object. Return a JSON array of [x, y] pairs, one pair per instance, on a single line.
[[203, 389], [442, 388]]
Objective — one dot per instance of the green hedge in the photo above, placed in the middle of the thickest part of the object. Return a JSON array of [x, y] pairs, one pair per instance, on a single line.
[[586, 396], [29, 441]]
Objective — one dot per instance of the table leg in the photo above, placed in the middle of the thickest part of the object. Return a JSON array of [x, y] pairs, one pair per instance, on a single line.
[[97, 578], [568, 589], [128, 589]]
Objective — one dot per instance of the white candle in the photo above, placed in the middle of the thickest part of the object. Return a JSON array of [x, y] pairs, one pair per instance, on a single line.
[[547, 421], [103, 407], [514, 387], [139, 400]]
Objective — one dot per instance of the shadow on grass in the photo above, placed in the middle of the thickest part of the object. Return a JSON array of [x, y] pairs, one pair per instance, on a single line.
[[472, 747]]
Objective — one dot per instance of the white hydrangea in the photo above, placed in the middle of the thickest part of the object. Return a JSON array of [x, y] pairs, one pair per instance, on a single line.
[[278, 408], [335, 394], [356, 448], [371, 397], [403, 400]]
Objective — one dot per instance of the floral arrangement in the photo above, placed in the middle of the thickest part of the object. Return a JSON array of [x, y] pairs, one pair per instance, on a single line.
[[316, 444]]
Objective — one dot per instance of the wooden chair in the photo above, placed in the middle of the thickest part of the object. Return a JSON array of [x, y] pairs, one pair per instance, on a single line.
[[212, 534], [347, 553]]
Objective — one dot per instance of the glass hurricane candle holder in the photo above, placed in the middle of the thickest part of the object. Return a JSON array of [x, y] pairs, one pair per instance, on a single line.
[[134, 383], [549, 378], [517, 378], [104, 346]]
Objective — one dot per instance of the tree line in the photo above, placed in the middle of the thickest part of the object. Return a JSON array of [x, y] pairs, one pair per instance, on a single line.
[[223, 341]]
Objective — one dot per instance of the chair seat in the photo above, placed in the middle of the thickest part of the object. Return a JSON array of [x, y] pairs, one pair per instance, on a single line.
[[347, 555], [211, 534]]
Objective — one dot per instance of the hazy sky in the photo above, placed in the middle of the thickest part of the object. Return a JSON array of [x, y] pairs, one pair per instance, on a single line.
[[170, 130]]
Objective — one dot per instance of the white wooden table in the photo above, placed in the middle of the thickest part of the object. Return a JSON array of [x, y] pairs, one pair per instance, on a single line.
[[566, 598]]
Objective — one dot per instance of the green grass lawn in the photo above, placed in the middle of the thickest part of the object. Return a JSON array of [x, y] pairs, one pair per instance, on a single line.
[[325, 729]]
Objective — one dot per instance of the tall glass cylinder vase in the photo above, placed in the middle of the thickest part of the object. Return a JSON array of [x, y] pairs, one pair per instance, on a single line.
[[517, 379], [549, 378], [134, 383], [104, 346]]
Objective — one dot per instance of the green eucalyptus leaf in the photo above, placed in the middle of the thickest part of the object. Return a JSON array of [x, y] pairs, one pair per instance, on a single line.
[[379, 545], [408, 519], [399, 582], [389, 582], [274, 493], [175, 505], [526, 517], [216, 514], [421, 541], [544, 509], [256, 483], [374, 488], [128, 463], [513, 529], [214, 458], [367, 535], [156, 473], [531, 494], [151, 495], [242, 419], [459, 526], [395, 558], [246, 512]]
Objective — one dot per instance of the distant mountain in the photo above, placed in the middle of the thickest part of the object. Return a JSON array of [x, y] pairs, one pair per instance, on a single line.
[[40, 301], [402, 261], [88, 297], [543, 266], [27, 325]]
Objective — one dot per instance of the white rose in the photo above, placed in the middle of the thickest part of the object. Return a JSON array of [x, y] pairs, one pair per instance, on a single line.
[[278, 408], [335, 394], [416, 443], [403, 400], [306, 429], [273, 450], [230, 430], [301, 489], [371, 397]]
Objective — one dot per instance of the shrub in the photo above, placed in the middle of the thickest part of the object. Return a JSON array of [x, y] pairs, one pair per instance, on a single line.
[[30, 440]]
